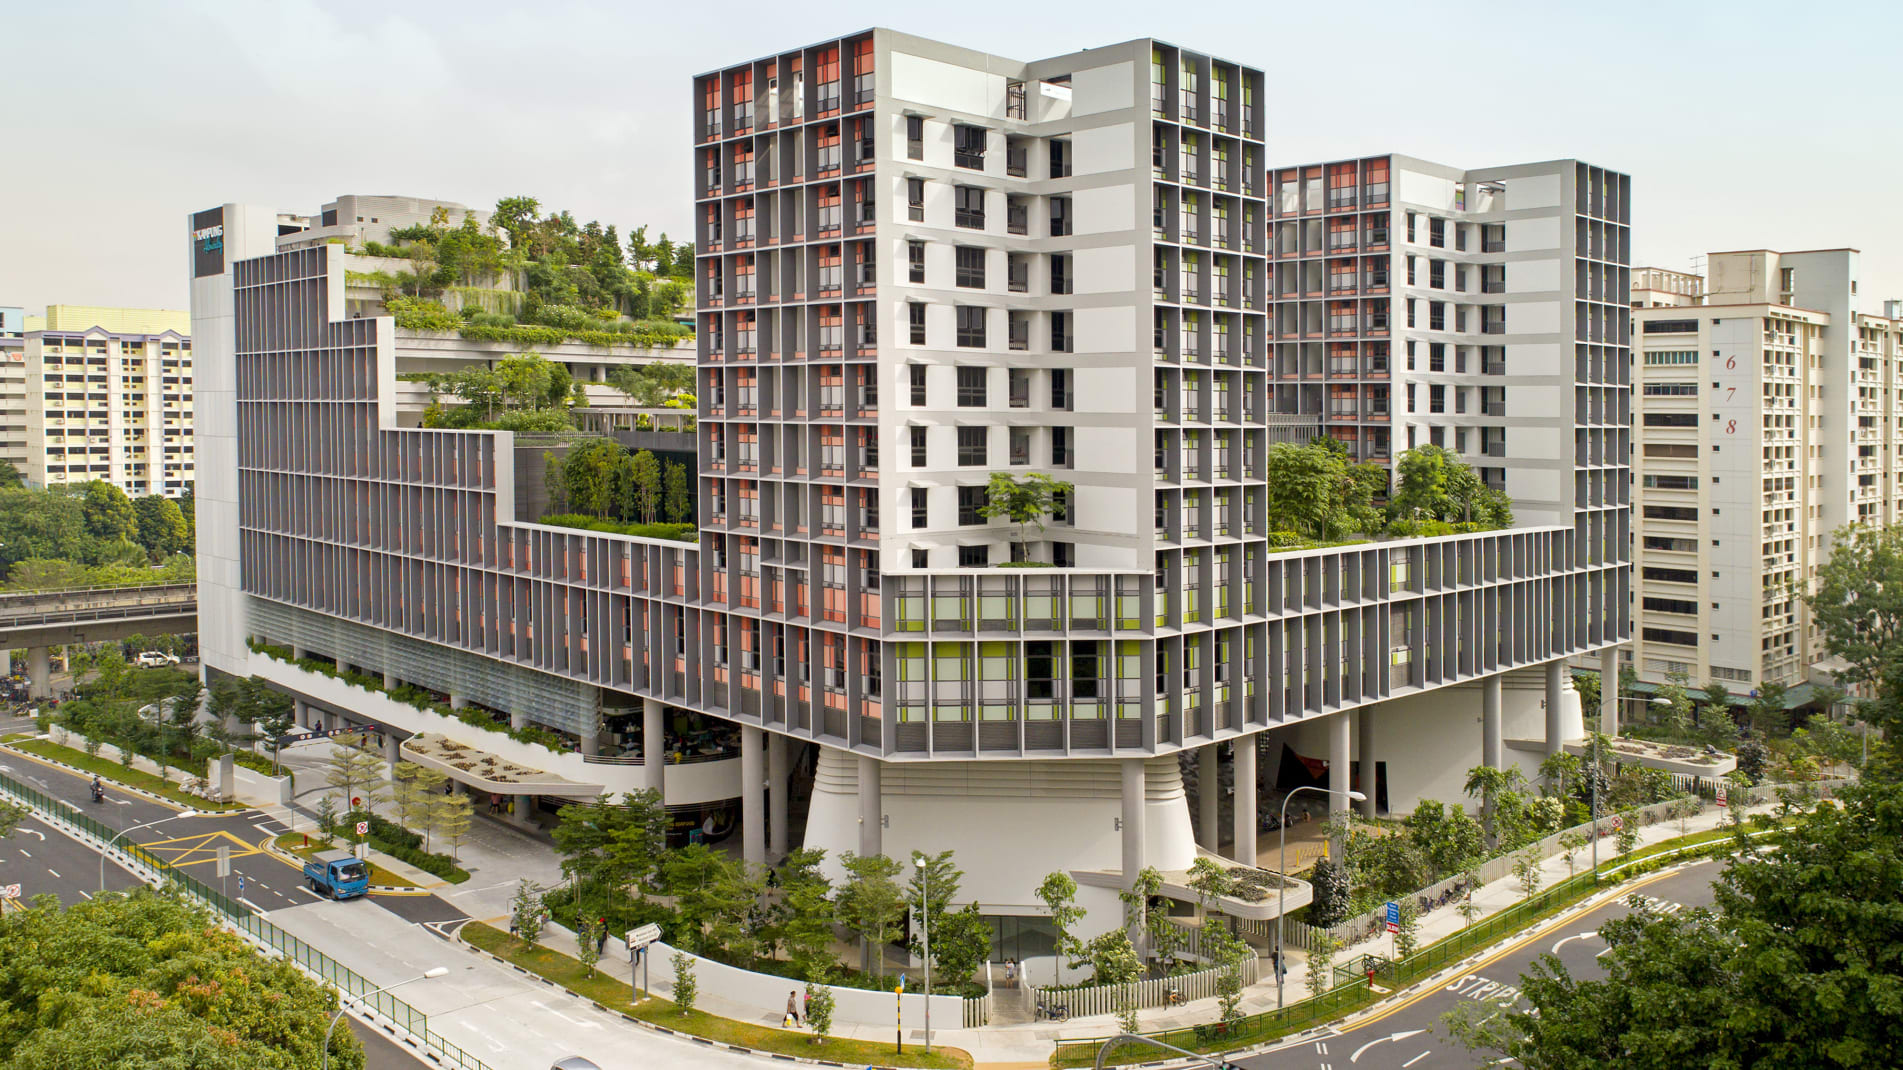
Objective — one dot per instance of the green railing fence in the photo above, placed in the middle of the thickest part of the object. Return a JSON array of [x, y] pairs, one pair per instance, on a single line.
[[347, 981]]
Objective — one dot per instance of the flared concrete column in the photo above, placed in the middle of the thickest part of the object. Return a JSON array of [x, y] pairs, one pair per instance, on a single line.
[[1134, 787], [871, 813], [392, 752], [39, 672], [1369, 769], [778, 778], [1555, 694], [1340, 751], [300, 713], [1209, 795], [1242, 755], [653, 745], [752, 781], [1491, 748], [1608, 691], [519, 810]]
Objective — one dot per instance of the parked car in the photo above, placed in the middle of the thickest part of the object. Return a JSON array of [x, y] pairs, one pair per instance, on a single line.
[[574, 1062], [155, 659]]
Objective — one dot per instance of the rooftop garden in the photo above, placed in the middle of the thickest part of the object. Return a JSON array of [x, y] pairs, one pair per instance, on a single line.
[[577, 281], [601, 486], [1315, 497]]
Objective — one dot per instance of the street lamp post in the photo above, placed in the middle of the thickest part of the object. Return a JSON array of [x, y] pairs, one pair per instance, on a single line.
[[1281, 881], [925, 929], [103, 851], [344, 1003]]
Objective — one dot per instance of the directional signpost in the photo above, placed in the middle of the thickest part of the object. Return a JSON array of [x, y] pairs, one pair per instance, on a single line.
[[638, 941], [898, 1013], [224, 868], [1394, 926]]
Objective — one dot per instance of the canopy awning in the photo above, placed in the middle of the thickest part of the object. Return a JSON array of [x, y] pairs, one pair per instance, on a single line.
[[480, 769]]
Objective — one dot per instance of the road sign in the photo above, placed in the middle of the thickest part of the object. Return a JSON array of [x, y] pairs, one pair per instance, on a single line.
[[1721, 796], [10, 891], [224, 861], [1394, 917], [643, 936], [240, 884], [356, 800], [363, 828]]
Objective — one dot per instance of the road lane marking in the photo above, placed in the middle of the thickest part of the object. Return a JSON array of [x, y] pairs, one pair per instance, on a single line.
[[1356, 1057], [1563, 941], [1417, 1058], [35, 833], [55, 873]]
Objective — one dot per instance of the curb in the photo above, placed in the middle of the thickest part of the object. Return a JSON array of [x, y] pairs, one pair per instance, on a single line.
[[652, 1027], [127, 788]]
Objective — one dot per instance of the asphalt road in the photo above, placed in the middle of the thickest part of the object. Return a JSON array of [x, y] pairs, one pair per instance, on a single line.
[[41, 860], [1409, 1036]]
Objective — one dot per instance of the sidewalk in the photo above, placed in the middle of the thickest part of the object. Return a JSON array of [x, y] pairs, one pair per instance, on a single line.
[[1021, 1047]]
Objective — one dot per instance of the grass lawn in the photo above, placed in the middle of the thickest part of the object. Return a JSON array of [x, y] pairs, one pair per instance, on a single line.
[[293, 842], [111, 772], [615, 995]]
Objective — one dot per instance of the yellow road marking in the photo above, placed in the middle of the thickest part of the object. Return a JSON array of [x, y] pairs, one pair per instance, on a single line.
[[180, 851], [1532, 936]]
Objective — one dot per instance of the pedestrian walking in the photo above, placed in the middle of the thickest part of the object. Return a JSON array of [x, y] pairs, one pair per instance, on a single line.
[[1011, 972], [793, 1009], [601, 935]]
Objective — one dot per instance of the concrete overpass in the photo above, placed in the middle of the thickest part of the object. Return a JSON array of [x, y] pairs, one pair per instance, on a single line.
[[37, 620]]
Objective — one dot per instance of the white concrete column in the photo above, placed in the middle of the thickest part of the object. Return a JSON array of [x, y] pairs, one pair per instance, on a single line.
[[389, 681], [1209, 795], [519, 810], [457, 702], [1242, 755], [39, 672], [518, 719], [1134, 787], [391, 753], [871, 812], [1608, 691], [1491, 748], [653, 745], [300, 713], [1369, 774], [779, 787], [1555, 695], [752, 780], [1339, 756], [297, 652]]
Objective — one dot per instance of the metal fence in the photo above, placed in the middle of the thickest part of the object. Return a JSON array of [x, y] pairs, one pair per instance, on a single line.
[[1105, 999], [351, 985]]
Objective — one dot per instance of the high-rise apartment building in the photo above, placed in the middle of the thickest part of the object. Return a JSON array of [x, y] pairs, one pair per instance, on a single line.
[[1770, 415], [920, 265], [13, 387], [109, 397]]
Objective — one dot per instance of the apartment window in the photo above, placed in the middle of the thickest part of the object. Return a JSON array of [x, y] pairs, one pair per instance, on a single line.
[[1671, 575], [915, 199], [917, 372], [1060, 158], [971, 447], [1064, 554], [971, 267], [1060, 216], [974, 556], [970, 208], [915, 260], [921, 558], [1410, 226], [915, 137], [1671, 419], [1060, 448], [971, 327], [1061, 339], [1060, 273], [1020, 446], [1437, 232], [921, 512], [968, 146], [1678, 356], [1060, 389], [971, 387], [1014, 102], [970, 501], [918, 447]]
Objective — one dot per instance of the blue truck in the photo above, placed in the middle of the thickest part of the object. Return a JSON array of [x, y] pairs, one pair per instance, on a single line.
[[337, 874]]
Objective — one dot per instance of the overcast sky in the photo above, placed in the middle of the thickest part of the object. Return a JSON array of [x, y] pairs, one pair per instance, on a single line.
[[1744, 124]]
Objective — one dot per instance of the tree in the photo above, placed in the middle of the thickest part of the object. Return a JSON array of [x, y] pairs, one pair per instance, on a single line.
[[645, 499], [450, 815], [961, 939], [1795, 966], [10, 475], [587, 950], [517, 217], [273, 711], [1025, 500], [1407, 935], [1432, 483], [613, 844], [928, 894], [1332, 894], [1588, 686], [677, 497], [589, 477], [555, 482], [703, 882], [354, 773], [1752, 758], [10, 818], [109, 513], [1627, 837], [527, 913], [686, 988], [803, 922], [1209, 879], [416, 790], [1321, 964], [819, 1008], [161, 526], [1058, 893], [870, 904], [1767, 711], [1451, 839], [1502, 804], [1112, 958], [1857, 602], [1526, 870], [1303, 485], [147, 980]]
